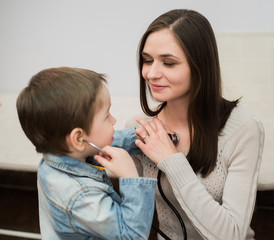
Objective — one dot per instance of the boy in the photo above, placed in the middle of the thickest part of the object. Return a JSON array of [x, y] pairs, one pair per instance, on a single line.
[[58, 110]]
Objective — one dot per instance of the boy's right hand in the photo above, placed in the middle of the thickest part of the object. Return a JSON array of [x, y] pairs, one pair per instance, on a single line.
[[120, 164]]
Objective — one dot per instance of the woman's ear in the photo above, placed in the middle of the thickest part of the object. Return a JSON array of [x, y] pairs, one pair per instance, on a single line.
[[74, 139]]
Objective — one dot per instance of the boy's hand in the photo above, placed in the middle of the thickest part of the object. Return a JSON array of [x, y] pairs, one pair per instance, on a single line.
[[120, 164]]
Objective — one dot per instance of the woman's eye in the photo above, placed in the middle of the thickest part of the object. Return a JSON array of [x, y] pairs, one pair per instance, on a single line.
[[169, 64], [147, 61]]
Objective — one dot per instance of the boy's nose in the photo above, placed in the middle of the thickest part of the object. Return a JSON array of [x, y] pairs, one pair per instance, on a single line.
[[113, 120]]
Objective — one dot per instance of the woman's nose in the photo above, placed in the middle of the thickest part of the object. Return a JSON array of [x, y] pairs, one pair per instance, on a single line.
[[154, 71]]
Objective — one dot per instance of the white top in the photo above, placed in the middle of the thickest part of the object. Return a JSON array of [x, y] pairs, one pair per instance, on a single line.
[[221, 205]]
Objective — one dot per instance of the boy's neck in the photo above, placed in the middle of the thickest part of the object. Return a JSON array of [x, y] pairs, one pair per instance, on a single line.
[[77, 155]]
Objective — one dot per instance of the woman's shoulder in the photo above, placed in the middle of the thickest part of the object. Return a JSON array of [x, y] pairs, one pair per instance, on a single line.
[[241, 116], [242, 120], [131, 122]]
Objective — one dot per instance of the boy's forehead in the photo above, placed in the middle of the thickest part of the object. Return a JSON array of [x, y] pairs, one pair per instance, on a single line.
[[105, 93], [104, 97]]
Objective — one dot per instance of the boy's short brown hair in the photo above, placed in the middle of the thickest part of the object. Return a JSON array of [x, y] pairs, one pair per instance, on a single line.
[[56, 101]]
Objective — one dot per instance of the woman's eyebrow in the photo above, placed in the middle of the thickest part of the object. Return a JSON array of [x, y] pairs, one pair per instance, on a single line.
[[145, 54], [161, 55], [168, 55]]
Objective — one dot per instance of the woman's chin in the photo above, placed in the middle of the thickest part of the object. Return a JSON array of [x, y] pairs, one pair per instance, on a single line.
[[159, 99]]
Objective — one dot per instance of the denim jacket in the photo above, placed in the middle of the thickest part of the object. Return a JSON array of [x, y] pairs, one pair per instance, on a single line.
[[77, 200]]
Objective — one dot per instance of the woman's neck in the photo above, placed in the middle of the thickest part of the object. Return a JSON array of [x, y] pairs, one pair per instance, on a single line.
[[174, 114], [174, 117]]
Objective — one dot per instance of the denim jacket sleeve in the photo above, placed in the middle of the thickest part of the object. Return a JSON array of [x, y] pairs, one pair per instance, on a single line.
[[96, 213], [125, 139]]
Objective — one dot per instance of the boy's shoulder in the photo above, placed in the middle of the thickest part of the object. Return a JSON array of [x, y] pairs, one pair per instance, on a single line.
[[61, 182]]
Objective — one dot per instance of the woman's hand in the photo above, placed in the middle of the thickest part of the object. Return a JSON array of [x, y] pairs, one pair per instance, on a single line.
[[120, 163], [155, 143]]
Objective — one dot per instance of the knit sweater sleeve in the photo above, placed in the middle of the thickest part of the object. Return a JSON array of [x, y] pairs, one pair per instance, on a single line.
[[231, 219]]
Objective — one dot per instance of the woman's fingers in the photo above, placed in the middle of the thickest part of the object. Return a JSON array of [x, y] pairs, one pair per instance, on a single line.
[[158, 124], [156, 145], [146, 125], [141, 133], [144, 131], [149, 129]]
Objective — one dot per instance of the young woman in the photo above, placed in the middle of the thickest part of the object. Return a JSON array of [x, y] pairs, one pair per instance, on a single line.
[[210, 176]]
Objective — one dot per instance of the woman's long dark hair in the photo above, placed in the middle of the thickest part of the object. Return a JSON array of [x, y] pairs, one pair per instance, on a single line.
[[208, 111]]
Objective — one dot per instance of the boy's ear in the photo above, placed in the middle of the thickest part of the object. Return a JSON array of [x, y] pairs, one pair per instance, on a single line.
[[74, 139]]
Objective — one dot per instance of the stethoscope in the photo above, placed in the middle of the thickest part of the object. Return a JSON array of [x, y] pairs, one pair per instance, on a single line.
[[175, 139], [172, 208]]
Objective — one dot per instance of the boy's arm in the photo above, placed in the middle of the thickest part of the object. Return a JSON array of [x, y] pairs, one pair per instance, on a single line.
[[125, 139], [104, 215]]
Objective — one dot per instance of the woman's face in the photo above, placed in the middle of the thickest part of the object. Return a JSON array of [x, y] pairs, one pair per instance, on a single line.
[[165, 67]]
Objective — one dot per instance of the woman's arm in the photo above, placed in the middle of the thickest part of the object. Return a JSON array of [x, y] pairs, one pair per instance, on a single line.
[[231, 219]]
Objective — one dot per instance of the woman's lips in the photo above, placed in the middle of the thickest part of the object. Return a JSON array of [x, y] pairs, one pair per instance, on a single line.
[[156, 87]]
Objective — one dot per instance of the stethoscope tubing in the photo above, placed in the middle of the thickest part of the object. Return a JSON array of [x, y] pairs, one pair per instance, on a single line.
[[172, 208]]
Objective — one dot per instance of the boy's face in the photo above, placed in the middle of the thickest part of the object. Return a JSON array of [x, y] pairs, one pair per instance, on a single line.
[[102, 130]]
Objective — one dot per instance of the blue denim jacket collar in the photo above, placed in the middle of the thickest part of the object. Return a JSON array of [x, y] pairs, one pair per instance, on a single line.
[[75, 166]]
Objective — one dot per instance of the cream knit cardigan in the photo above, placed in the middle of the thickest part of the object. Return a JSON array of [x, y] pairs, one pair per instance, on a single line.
[[221, 205]]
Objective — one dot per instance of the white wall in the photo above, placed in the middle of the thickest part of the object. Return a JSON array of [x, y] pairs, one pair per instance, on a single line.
[[102, 35]]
